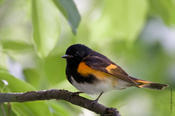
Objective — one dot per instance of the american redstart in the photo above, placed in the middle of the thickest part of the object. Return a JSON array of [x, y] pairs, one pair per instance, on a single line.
[[93, 73]]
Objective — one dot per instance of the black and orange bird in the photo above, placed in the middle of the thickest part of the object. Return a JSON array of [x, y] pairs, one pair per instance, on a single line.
[[93, 73]]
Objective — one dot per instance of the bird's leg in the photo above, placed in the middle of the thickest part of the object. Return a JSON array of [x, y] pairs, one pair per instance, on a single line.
[[96, 100]]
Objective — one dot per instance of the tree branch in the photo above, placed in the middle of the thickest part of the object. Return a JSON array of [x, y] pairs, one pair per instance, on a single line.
[[59, 95]]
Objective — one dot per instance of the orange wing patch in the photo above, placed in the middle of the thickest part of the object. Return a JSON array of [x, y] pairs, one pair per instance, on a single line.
[[85, 70], [110, 67]]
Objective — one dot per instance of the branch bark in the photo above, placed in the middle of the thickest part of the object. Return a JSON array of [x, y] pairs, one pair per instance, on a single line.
[[59, 95]]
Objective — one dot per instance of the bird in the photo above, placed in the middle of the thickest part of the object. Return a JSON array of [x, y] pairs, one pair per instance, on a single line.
[[93, 73]]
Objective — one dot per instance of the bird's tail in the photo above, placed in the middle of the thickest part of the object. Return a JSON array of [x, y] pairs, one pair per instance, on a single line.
[[147, 84]]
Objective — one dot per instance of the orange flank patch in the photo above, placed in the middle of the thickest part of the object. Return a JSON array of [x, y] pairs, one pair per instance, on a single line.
[[110, 67], [85, 70]]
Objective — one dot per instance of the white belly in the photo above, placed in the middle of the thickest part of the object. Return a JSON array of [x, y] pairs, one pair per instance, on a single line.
[[99, 86]]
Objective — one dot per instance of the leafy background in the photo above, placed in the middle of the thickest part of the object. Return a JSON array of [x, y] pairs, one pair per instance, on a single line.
[[139, 35]]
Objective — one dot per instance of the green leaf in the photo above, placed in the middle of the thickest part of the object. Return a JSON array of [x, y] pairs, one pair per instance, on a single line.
[[48, 72], [1, 1], [16, 45], [46, 28], [69, 10], [54, 69], [35, 108], [163, 8], [5, 110], [14, 84], [120, 20], [3, 85], [32, 76]]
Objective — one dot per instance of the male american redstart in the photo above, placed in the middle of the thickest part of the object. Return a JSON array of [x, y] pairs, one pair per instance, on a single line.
[[93, 73]]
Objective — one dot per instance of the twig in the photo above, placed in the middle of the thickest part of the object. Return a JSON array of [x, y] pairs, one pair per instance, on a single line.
[[59, 95]]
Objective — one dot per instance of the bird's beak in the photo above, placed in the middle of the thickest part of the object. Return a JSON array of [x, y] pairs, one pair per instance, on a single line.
[[67, 56]]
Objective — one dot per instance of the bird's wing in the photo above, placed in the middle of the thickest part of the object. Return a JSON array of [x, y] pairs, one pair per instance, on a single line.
[[103, 64]]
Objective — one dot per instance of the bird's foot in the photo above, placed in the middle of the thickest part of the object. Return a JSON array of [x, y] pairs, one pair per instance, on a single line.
[[96, 100]]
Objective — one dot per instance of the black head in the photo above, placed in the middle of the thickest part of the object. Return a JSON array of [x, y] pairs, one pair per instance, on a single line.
[[76, 52]]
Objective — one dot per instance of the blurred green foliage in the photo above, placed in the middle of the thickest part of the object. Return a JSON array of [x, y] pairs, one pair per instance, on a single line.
[[46, 28], [34, 34], [159, 10]]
